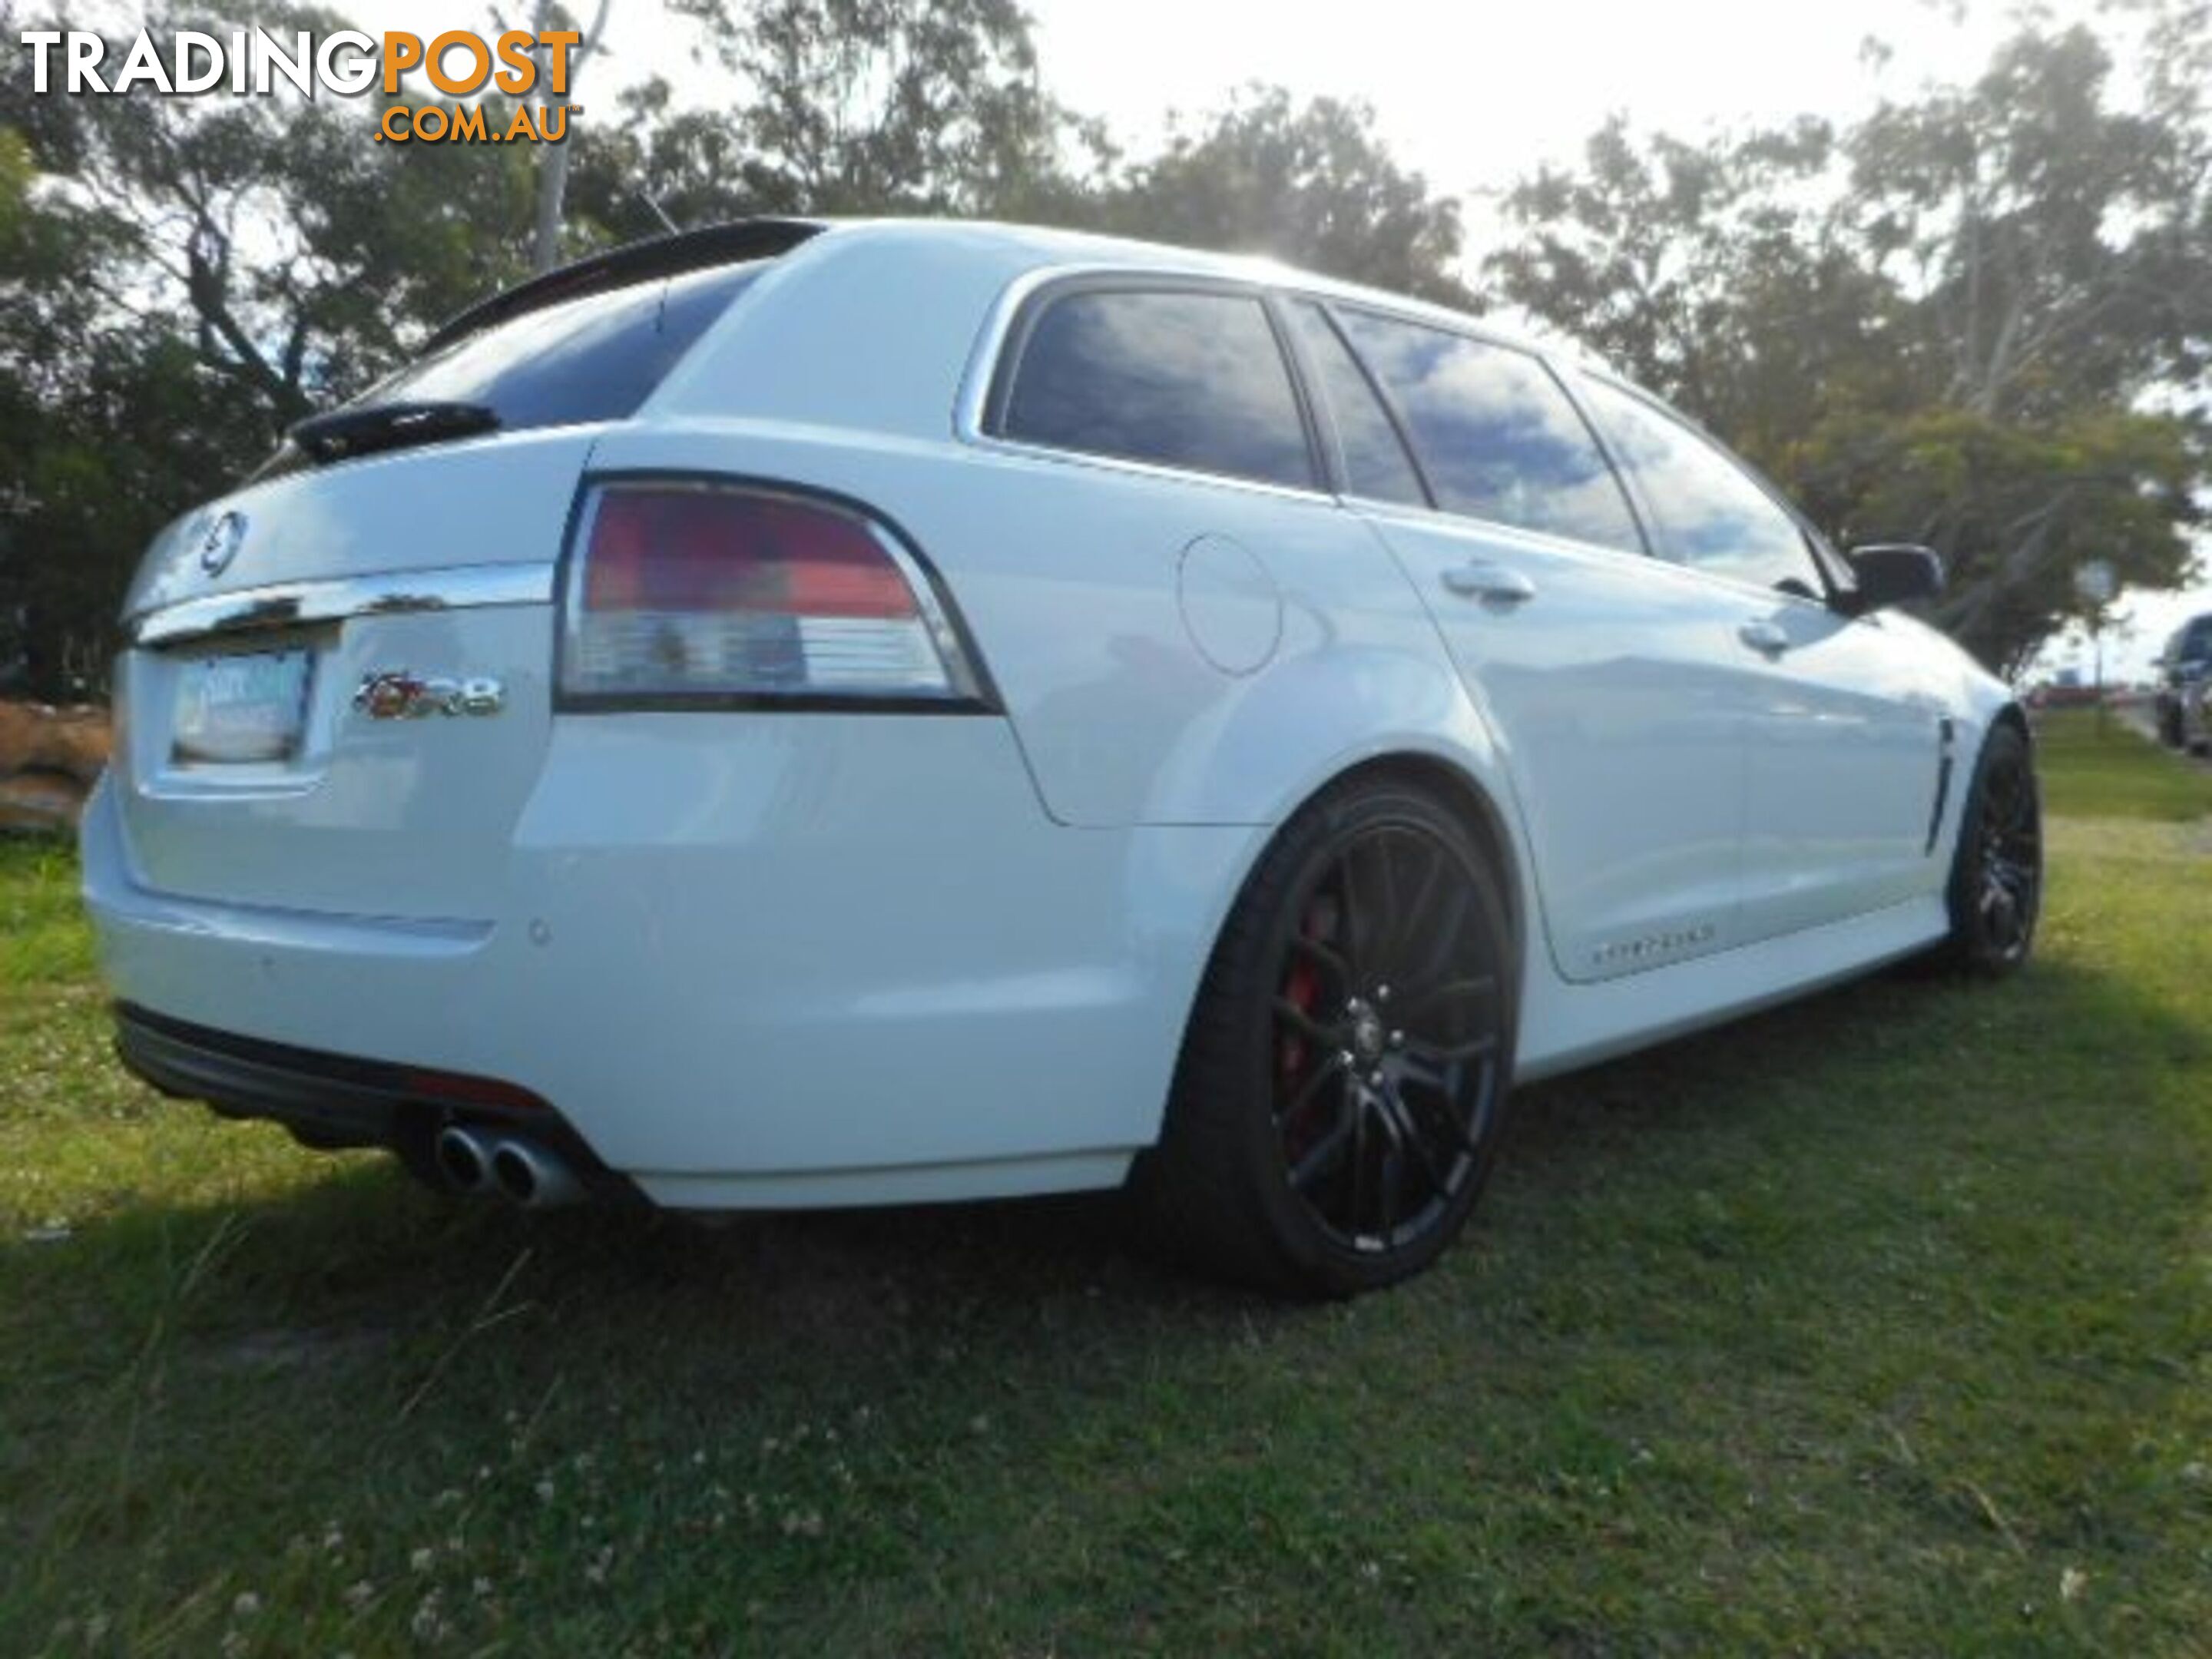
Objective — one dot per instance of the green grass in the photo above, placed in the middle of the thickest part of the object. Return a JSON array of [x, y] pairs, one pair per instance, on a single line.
[[2106, 769], [43, 940], [1880, 1324]]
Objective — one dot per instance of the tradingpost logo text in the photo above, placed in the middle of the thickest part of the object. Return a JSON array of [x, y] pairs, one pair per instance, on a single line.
[[459, 63]]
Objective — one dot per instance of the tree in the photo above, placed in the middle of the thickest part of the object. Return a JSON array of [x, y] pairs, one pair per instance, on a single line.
[[104, 431], [2016, 507], [2052, 239], [844, 106], [305, 254], [181, 278], [1973, 319], [1707, 272], [1311, 184]]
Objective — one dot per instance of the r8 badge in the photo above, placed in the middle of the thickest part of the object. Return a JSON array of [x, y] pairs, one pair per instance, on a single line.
[[401, 696]]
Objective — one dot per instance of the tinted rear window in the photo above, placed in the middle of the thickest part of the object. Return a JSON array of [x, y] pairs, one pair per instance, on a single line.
[[1182, 378], [1496, 437], [596, 358]]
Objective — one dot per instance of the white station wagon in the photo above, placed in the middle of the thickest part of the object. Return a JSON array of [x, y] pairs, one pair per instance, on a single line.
[[796, 714]]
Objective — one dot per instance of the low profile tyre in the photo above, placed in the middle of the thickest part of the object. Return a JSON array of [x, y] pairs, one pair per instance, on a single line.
[[1342, 1084], [1997, 875]]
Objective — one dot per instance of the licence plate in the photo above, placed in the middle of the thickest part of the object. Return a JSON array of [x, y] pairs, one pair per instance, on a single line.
[[243, 707]]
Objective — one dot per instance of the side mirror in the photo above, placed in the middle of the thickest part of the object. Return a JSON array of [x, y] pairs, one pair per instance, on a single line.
[[1892, 573]]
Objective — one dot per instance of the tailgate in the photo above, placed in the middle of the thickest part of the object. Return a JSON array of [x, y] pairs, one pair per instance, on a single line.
[[348, 711]]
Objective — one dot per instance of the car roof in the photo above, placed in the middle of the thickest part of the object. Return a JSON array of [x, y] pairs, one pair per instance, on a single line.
[[1024, 249], [1046, 248]]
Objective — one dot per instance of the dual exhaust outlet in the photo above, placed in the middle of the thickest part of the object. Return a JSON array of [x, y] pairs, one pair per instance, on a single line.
[[495, 1164]]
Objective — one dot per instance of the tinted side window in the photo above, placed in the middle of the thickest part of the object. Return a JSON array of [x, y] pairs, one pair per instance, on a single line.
[[1182, 378], [1711, 514], [595, 358], [1497, 436], [1375, 465]]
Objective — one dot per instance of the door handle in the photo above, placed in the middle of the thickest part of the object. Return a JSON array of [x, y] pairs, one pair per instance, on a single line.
[[1492, 584], [1764, 637]]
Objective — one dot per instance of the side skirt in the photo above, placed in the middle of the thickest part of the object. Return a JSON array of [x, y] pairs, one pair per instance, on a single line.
[[1566, 1026]]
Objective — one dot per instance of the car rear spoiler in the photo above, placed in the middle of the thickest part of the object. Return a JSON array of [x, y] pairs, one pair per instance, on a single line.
[[635, 262]]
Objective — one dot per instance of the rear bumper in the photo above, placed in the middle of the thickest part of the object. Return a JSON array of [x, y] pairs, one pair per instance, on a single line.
[[336, 1100], [746, 965]]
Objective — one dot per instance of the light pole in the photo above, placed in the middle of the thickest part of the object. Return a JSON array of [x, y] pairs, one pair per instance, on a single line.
[[2095, 582]]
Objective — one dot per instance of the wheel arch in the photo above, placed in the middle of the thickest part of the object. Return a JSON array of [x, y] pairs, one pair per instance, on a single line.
[[1966, 945], [1464, 795], [1468, 802], [2011, 716]]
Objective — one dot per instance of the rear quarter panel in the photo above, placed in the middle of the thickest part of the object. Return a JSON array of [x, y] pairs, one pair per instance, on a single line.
[[847, 369]]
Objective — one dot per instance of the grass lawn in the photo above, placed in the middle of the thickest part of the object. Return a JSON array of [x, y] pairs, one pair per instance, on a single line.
[[2094, 770], [1880, 1324]]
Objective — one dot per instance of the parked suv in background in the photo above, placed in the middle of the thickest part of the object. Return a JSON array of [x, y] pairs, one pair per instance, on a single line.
[[2184, 669], [795, 715]]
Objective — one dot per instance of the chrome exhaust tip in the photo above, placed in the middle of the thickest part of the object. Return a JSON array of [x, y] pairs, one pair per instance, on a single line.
[[534, 1178], [463, 1160]]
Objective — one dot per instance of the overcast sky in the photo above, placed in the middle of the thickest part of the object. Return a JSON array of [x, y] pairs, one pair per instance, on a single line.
[[1472, 95], [1475, 96]]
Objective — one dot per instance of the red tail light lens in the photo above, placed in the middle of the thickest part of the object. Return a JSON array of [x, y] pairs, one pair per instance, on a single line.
[[681, 589]]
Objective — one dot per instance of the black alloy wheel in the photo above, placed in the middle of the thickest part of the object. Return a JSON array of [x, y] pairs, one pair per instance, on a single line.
[[1344, 1080], [1386, 1038], [1996, 880]]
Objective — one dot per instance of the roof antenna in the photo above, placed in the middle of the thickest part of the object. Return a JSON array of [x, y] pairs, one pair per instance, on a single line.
[[661, 213]]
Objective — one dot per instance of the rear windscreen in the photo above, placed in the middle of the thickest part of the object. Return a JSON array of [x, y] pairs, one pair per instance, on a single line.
[[593, 358]]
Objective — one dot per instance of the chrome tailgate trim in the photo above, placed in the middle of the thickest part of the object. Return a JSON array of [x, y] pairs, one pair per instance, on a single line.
[[288, 604]]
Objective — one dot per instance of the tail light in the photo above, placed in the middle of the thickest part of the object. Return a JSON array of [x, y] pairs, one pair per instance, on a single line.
[[682, 590]]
